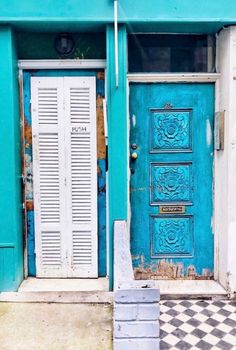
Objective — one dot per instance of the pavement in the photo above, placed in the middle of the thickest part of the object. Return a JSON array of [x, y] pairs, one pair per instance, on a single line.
[[184, 325], [198, 324], [55, 326]]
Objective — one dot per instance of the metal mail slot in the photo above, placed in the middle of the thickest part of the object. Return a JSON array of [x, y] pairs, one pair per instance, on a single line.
[[172, 209]]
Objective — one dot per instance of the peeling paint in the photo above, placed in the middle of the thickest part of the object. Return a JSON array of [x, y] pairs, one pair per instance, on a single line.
[[28, 177], [101, 144], [102, 217], [30, 205], [191, 271], [134, 120], [208, 133], [101, 75], [28, 135], [166, 269], [25, 224], [99, 171]]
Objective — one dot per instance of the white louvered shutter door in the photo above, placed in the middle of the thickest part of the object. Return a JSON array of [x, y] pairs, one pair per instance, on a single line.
[[48, 175], [81, 170]]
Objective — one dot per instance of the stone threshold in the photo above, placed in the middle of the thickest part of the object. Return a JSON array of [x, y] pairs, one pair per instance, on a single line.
[[72, 297], [191, 289], [33, 284]]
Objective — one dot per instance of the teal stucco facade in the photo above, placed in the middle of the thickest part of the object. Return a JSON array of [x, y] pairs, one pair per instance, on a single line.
[[11, 232], [24, 19]]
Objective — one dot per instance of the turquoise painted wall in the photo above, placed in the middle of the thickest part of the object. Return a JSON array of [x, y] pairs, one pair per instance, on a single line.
[[11, 232], [130, 10], [117, 136], [165, 14]]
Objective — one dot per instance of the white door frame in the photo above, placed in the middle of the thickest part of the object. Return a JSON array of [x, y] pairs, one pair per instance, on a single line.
[[57, 64], [61, 64], [180, 78]]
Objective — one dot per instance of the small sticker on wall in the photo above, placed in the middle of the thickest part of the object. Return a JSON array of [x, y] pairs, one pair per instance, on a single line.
[[80, 129], [219, 131]]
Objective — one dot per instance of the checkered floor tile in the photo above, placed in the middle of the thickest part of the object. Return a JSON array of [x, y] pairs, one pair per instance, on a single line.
[[196, 324]]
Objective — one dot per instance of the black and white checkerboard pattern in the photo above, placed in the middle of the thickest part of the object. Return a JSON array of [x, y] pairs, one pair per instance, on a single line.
[[196, 324]]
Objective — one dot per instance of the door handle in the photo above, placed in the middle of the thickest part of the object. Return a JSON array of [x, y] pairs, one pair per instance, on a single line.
[[134, 155]]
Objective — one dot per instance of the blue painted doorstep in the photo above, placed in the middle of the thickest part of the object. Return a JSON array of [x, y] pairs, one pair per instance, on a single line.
[[171, 170]]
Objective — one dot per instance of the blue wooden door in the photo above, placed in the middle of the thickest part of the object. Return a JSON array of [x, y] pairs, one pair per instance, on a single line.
[[171, 148]]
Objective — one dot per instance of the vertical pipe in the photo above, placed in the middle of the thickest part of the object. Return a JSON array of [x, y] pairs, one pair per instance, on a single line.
[[116, 42]]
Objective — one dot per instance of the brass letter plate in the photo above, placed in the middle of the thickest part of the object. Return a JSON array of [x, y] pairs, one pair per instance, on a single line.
[[172, 209]]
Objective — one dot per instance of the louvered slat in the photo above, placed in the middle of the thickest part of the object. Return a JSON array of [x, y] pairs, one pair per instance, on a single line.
[[81, 178], [82, 248], [47, 106], [81, 106], [65, 176], [48, 175], [51, 248], [49, 178]]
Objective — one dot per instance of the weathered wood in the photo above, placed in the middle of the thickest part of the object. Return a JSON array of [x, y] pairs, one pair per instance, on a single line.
[[101, 145]]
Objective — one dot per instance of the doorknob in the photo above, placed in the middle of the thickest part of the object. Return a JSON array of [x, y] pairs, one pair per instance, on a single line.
[[134, 155]]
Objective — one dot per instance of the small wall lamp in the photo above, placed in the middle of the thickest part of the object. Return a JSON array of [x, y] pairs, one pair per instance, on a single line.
[[64, 44]]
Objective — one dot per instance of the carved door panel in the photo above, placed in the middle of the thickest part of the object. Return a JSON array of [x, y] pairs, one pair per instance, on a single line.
[[171, 180]]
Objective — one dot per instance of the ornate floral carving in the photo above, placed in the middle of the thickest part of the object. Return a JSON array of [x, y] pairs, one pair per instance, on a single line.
[[172, 236], [171, 183], [171, 130]]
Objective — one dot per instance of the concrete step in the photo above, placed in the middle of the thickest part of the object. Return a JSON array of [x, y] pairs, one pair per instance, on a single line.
[[33, 284], [191, 289], [68, 297]]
